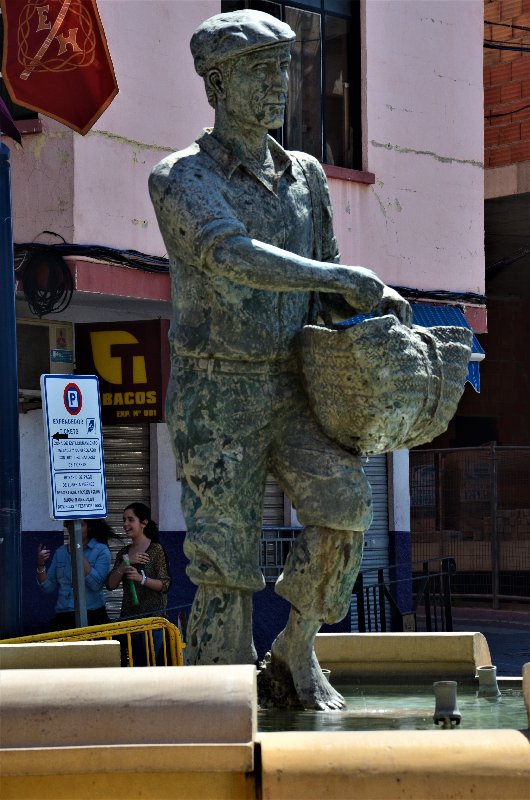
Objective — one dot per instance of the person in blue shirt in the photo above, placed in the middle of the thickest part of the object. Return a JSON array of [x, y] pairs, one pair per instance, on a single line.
[[96, 565]]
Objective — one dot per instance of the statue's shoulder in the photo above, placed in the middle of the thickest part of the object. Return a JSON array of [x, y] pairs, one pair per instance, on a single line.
[[307, 162], [174, 167], [313, 171], [314, 175]]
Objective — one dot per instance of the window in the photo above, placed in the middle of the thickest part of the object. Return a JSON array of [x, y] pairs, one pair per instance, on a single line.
[[324, 110]]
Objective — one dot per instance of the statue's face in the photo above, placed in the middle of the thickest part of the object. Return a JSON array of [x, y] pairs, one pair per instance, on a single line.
[[256, 88]]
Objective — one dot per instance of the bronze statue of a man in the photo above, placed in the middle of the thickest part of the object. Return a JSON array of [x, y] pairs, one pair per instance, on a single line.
[[248, 230]]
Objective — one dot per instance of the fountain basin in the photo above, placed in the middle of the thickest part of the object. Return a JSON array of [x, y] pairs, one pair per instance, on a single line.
[[490, 765], [173, 732], [399, 657]]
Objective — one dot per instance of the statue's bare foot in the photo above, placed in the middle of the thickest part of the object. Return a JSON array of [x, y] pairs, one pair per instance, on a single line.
[[313, 689]]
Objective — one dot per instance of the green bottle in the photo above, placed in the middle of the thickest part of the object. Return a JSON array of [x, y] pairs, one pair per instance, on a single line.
[[132, 587]]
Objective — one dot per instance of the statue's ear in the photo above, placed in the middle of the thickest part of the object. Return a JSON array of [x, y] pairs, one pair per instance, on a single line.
[[215, 83]]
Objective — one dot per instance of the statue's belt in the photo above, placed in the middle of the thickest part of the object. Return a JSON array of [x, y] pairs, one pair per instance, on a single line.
[[235, 366]]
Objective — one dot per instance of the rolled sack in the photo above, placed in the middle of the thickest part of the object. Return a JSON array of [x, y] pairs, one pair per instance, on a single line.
[[378, 386]]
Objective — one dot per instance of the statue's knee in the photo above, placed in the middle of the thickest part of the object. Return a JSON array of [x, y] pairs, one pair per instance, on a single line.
[[214, 561], [342, 513], [361, 514]]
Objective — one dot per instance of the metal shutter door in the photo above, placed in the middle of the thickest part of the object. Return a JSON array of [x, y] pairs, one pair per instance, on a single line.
[[273, 503], [127, 470], [376, 537]]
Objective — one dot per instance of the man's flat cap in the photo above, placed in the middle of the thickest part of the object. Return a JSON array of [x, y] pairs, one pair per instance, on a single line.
[[235, 33]]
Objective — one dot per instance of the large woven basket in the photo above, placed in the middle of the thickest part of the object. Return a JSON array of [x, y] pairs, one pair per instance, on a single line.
[[378, 386]]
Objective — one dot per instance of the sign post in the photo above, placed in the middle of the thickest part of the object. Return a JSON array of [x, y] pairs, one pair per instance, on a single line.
[[72, 425], [78, 577]]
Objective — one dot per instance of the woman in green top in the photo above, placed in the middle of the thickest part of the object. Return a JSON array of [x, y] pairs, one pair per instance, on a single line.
[[143, 569]]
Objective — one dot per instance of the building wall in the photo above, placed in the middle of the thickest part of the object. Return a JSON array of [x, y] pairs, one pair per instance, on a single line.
[[165, 490], [161, 107], [35, 475], [497, 413], [42, 184], [421, 224], [506, 83]]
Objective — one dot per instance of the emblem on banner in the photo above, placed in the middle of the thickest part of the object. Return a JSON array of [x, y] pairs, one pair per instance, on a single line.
[[63, 46]]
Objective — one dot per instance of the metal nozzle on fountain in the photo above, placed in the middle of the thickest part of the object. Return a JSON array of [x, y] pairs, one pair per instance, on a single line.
[[446, 710], [487, 682]]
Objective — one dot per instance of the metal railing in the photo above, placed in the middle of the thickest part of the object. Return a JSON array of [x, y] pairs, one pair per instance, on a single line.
[[276, 541], [169, 652], [419, 602], [474, 504]]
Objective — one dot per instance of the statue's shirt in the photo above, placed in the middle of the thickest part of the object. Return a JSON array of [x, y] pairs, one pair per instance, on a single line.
[[202, 196]]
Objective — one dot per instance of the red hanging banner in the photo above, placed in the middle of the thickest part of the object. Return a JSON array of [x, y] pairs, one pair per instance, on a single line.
[[56, 60]]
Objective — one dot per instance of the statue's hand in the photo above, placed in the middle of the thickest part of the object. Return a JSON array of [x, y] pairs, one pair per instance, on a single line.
[[361, 288], [365, 293], [393, 303]]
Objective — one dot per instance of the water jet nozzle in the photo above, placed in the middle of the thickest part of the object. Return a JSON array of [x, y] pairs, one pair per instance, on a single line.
[[446, 710], [487, 682]]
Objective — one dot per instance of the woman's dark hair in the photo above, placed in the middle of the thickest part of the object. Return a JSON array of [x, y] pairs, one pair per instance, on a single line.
[[143, 513], [99, 530]]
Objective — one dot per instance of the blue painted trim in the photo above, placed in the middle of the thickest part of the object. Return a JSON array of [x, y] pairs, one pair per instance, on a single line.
[[10, 500]]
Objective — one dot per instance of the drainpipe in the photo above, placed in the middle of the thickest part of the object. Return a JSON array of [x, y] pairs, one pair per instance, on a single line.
[[10, 544]]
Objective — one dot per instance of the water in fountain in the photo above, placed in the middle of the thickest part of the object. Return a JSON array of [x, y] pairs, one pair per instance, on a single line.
[[377, 707]]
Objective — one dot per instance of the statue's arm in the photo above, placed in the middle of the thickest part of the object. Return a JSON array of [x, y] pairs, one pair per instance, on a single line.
[[199, 227], [262, 266]]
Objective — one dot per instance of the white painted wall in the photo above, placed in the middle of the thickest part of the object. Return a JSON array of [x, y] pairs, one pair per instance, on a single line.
[[93, 189], [398, 491], [42, 184], [35, 475], [165, 489]]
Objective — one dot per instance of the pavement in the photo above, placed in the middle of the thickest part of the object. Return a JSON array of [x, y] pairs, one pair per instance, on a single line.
[[507, 631]]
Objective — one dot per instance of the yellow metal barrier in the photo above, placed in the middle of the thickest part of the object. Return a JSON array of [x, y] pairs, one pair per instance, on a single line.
[[171, 649]]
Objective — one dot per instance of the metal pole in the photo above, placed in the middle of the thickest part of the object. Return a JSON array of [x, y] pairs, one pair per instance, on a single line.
[[10, 544], [381, 598], [358, 591], [440, 489], [494, 531], [427, 596], [448, 567], [78, 573]]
